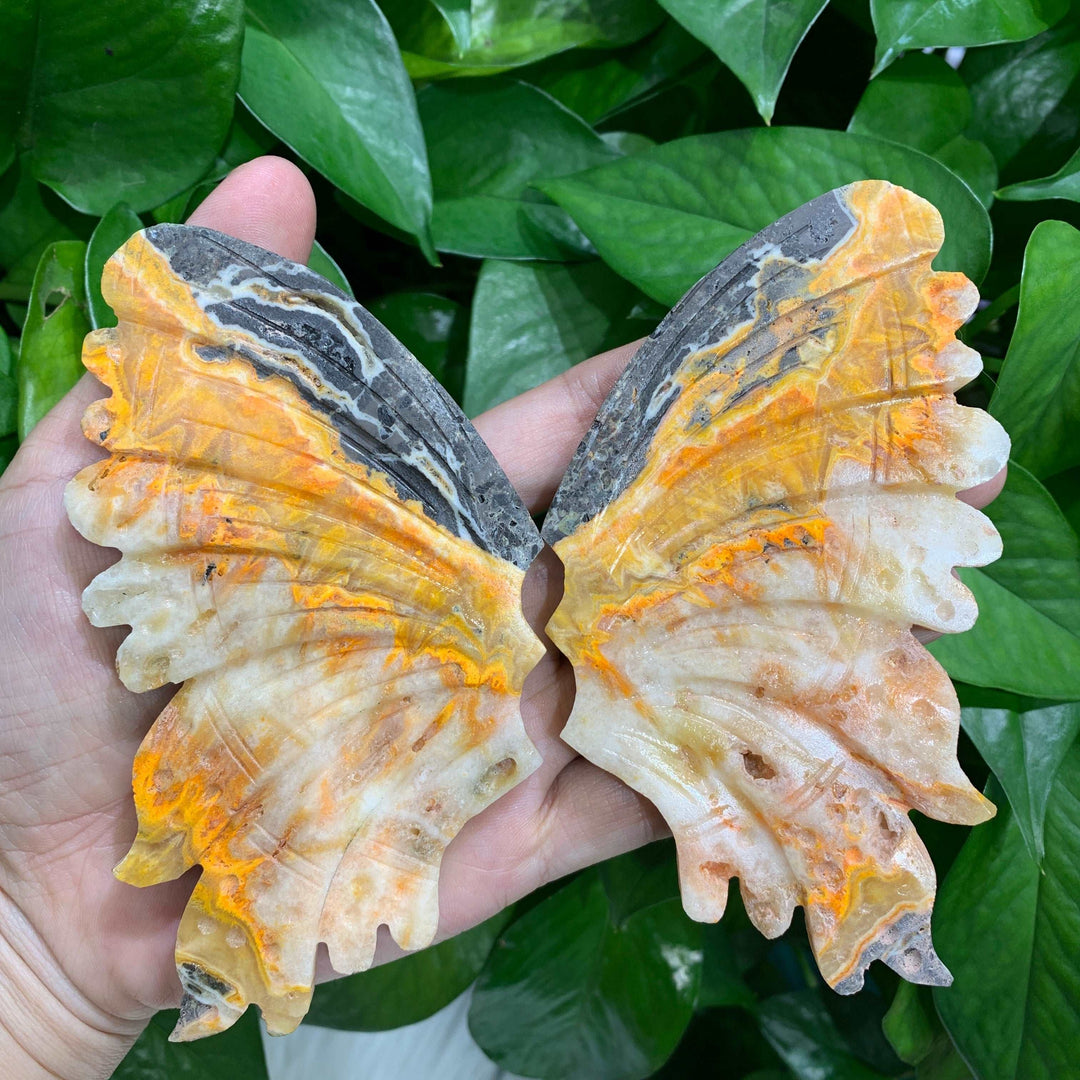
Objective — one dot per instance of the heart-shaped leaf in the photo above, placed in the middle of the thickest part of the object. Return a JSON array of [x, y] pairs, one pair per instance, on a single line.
[[1026, 96]]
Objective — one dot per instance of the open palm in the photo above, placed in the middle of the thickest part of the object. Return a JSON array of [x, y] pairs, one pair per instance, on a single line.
[[69, 730]]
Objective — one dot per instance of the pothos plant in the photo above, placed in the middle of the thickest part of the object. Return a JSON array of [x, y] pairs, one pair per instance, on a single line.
[[514, 185]]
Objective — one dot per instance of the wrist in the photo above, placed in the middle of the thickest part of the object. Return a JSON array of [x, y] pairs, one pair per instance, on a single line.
[[48, 1028]]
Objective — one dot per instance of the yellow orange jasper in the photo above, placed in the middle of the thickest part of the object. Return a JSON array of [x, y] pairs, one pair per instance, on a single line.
[[351, 666], [739, 613]]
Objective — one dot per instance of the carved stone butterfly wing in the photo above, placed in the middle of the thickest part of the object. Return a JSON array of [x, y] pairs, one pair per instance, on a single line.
[[764, 506], [319, 546]]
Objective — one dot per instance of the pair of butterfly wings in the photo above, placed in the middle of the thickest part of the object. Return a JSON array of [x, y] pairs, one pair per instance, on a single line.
[[317, 544]]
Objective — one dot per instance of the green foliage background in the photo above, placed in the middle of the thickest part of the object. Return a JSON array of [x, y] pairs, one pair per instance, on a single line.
[[513, 185]]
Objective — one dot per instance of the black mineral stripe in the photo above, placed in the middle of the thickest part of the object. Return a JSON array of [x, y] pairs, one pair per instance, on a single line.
[[615, 448], [390, 415]]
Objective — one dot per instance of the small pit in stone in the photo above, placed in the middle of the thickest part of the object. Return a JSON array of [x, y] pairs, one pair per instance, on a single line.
[[756, 766]]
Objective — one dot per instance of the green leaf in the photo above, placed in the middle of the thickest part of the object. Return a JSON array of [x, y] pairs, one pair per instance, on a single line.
[[756, 40], [567, 993], [1026, 98], [118, 101], [925, 24], [639, 879], [531, 321], [923, 103], [664, 218], [410, 989], [9, 390], [487, 143], [943, 1062], [1064, 184], [801, 1031], [236, 1054], [323, 263], [1015, 648], [433, 328], [1024, 749], [722, 982], [1027, 636], [1038, 391], [458, 16], [595, 84], [326, 78], [31, 218], [911, 1025], [117, 226], [920, 101], [1010, 934], [1065, 487], [57, 321], [247, 139], [509, 33]]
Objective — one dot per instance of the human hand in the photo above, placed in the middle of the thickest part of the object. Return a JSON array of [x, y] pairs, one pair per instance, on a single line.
[[85, 959]]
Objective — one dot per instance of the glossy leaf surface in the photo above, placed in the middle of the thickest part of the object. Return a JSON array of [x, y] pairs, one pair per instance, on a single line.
[[1026, 97], [602, 1001], [802, 1033], [1038, 391], [1020, 1014], [56, 323], [756, 40], [1028, 639], [488, 143], [142, 112], [31, 218], [923, 103], [1064, 184], [664, 218], [1025, 749], [327, 79], [321, 261], [594, 83], [922, 24], [111, 231], [433, 328], [531, 321]]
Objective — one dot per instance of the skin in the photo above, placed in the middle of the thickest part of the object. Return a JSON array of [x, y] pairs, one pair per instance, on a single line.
[[86, 960]]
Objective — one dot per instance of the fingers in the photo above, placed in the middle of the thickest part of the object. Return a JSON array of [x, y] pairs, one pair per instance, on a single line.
[[267, 202], [534, 435]]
